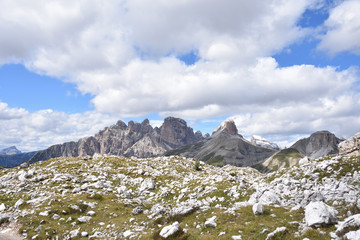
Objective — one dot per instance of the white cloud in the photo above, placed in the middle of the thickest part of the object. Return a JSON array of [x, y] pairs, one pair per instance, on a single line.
[[7, 113], [339, 115], [343, 29], [123, 53], [41, 129]]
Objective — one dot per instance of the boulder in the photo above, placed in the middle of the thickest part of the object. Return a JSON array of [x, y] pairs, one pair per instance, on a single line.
[[19, 203], [138, 210], [352, 222], [2, 207], [258, 209], [84, 219], [170, 230], [147, 184], [158, 209], [181, 210], [74, 233], [211, 222], [304, 160], [318, 214]]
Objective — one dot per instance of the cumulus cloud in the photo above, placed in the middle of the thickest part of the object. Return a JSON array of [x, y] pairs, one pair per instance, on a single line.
[[339, 115], [124, 53], [41, 129], [7, 113], [342, 29]]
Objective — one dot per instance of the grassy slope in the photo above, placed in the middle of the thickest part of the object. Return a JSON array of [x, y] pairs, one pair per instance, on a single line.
[[115, 213]]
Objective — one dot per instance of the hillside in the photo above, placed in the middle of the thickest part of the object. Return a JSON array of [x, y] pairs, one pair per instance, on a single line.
[[225, 146], [283, 159], [117, 197]]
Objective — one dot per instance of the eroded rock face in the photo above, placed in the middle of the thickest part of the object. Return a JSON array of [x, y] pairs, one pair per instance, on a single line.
[[351, 146], [227, 126], [319, 144], [134, 139], [176, 133]]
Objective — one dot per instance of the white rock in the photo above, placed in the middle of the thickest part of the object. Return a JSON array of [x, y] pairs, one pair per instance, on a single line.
[[147, 184], [211, 222], [55, 216], [22, 175], [44, 213], [269, 198], [279, 229], [84, 234], [2, 207], [304, 160], [319, 214], [74, 233], [353, 235], [84, 219], [90, 213], [349, 222], [236, 237], [97, 235], [181, 210], [128, 233], [19, 203], [170, 230], [37, 201], [258, 209]]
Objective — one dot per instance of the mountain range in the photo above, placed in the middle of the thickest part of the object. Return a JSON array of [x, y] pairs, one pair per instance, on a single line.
[[174, 137], [225, 146], [135, 139]]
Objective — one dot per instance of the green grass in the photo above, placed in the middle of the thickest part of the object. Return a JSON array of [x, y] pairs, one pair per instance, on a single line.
[[114, 211]]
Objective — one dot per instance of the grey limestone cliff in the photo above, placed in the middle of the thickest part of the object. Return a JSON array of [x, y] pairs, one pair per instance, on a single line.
[[319, 144], [225, 146], [134, 139]]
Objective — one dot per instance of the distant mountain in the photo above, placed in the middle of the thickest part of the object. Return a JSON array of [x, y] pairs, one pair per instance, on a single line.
[[15, 159], [319, 144], [262, 142], [225, 146], [134, 139], [9, 151]]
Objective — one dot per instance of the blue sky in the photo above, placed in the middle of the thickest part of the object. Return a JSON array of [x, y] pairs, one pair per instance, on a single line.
[[280, 69]]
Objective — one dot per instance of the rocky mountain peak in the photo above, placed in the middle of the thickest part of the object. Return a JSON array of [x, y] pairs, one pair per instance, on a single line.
[[134, 139], [227, 126], [121, 125], [319, 144], [175, 132]]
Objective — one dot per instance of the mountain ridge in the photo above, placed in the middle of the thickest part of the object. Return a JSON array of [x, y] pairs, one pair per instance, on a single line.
[[134, 139], [225, 146]]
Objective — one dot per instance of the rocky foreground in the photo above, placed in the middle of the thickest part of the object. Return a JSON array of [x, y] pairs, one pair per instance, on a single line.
[[178, 198]]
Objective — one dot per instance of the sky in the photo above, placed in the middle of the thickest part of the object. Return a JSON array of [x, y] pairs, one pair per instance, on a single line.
[[280, 69]]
